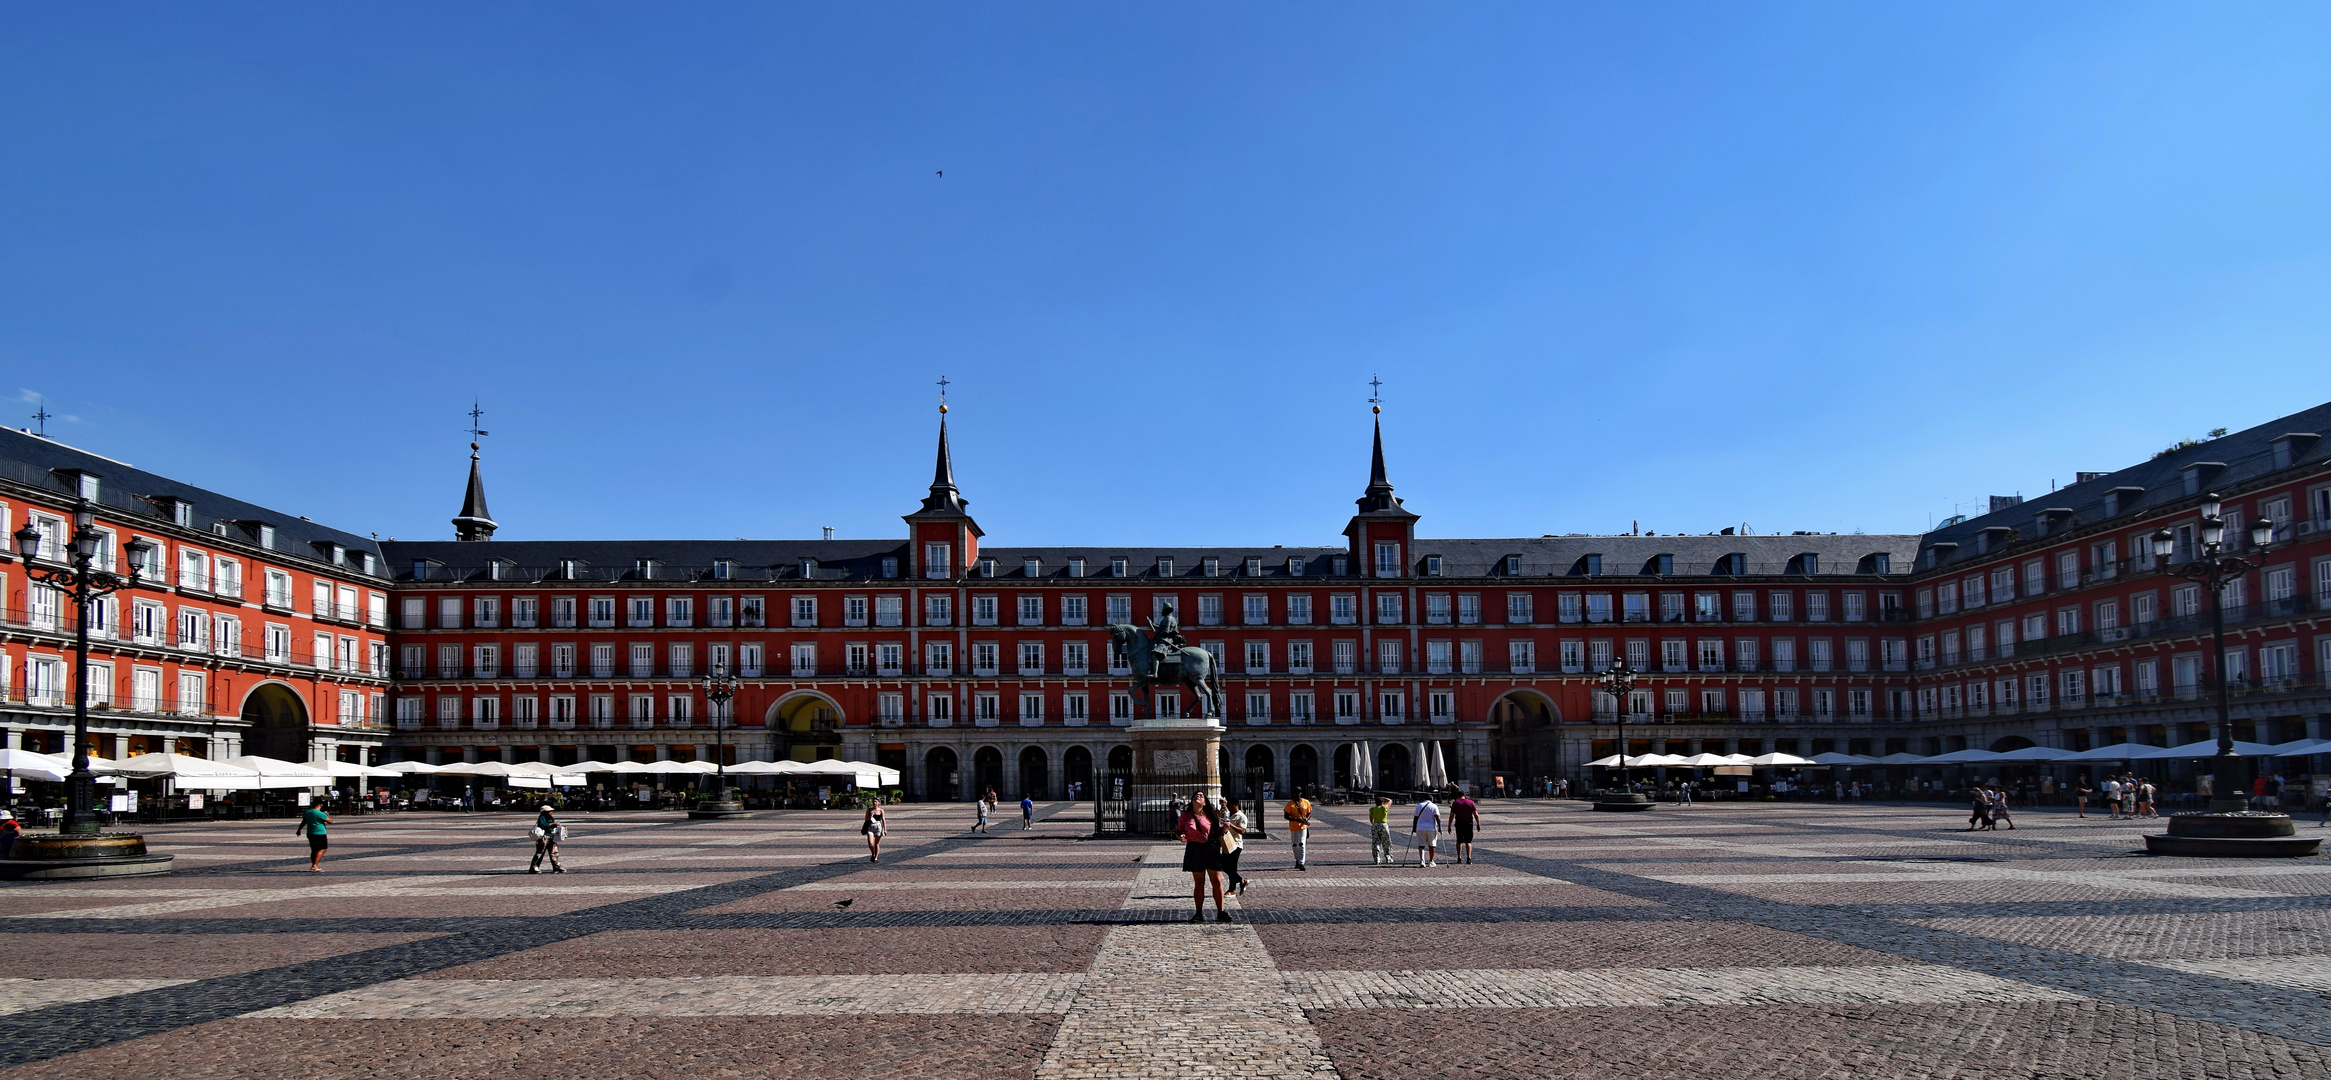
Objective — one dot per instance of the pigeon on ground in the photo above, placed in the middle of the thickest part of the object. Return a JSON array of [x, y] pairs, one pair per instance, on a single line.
[[844, 903], [1137, 858]]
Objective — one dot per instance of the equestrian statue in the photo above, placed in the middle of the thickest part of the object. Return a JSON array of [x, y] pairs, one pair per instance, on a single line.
[[1159, 655]]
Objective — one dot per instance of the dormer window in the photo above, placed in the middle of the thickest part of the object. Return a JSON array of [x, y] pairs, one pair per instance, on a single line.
[[1254, 566], [808, 568], [1513, 566], [1878, 563], [644, 569], [2120, 500], [569, 569], [1807, 563], [1587, 566], [723, 569], [267, 537], [1432, 566], [1659, 565], [420, 569], [1076, 567], [1734, 564], [1210, 566], [179, 511], [1165, 566], [987, 568], [1295, 566], [495, 569], [890, 566], [1120, 566], [364, 562], [84, 483], [1031, 567], [1340, 565]]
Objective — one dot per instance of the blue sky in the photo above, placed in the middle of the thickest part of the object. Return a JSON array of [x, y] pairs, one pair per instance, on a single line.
[[1818, 266]]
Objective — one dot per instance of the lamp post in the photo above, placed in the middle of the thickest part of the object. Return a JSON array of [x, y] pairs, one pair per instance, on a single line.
[[1618, 680], [2213, 566], [85, 584], [2230, 828], [720, 688]]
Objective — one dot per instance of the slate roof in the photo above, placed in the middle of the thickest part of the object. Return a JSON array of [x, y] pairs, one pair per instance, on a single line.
[[129, 492], [2225, 464]]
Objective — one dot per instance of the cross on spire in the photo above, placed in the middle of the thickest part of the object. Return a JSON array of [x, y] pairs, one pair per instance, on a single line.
[[943, 384], [475, 413], [1375, 391], [41, 416]]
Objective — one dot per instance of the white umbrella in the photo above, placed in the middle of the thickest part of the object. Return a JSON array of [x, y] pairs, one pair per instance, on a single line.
[[1783, 760], [1708, 761], [2121, 751], [581, 767], [1835, 758], [348, 769], [189, 772], [1424, 766], [1363, 770], [31, 765], [498, 769], [2033, 753], [1610, 762], [766, 768], [2302, 747], [274, 773], [2209, 748], [1440, 766], [1654, 760], [409, 768], [1962, 757], [1903, 758]]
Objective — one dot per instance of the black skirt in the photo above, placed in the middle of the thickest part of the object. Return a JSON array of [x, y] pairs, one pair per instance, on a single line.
[[1199, 858]]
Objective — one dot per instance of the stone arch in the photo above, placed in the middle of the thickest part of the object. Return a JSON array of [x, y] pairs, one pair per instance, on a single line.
[[1035, 772], [1302, 768], [940, 780], [278, 719], [1394, 771], [2011, 742], [987, 772], [1525, 737], [805, 725], [1076, 767]]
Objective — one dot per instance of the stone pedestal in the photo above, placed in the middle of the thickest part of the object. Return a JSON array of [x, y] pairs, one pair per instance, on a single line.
[[67, 857], [719, 811], [1172, 758], [2247, 834], [1622, 801]]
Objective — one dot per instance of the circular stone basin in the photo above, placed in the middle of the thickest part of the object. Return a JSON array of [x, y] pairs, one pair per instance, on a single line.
[[78, 846]]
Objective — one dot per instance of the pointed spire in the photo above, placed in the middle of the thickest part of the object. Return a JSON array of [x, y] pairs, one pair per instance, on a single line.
[[944, 497], [474, 522], [1379, 499]]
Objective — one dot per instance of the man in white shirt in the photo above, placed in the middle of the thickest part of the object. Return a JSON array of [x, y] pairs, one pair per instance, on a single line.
[[1427, 827]]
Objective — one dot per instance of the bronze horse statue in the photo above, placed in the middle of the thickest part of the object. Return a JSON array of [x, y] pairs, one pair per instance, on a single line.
[[1198, 670]]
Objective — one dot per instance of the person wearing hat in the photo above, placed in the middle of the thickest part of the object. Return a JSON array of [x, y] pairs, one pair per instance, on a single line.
[[547, 833]]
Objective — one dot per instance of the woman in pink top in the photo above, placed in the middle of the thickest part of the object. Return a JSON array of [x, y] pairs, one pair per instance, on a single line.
[[1196, 829]]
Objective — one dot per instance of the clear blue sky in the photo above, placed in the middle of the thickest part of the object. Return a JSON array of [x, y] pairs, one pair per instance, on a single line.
[[1818, 266]]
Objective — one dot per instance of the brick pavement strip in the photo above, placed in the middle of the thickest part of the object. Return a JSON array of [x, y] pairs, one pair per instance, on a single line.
[[1182, 1001], [18, 995], [1896, 984], [694, 995]]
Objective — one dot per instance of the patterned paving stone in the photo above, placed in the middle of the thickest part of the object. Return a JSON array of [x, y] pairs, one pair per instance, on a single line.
[[175, 956], [1570, 945], [18, 995], [2075, 1040], [2197, 936], [1606, 987], [895, 950], [695, 995], [891, 1047]]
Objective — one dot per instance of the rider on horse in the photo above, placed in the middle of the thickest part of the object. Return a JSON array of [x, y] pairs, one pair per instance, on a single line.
[[1165, 636]]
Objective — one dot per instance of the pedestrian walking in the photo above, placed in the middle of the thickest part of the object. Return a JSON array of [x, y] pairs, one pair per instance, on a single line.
[[1978, 809], [1999, 810], [1233, 842], [1196, 828], [1427, 827], [547, 832], [1027, 812], [2112, 798], [1683, 796], [1467, 815], [873, 828], [1297, 811], [2080, 793], [2145, 795], [1380, 831], [985, 807], [312, 823]]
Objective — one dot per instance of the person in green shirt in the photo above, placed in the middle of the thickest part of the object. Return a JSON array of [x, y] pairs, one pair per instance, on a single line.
[[311, 824], [1380, 832]]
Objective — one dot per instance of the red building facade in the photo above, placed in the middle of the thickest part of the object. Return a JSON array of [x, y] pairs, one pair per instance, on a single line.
[[972, 666]]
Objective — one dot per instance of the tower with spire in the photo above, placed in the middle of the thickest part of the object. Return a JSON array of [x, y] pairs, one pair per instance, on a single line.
[[474, 522], [943, 537], [1383, 531]]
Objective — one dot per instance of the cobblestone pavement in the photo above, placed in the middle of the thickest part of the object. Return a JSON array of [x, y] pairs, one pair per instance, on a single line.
[[1809, 940]]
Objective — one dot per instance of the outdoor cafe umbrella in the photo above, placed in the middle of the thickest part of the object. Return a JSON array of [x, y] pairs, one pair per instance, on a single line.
[[2302, 748], [1835, 758], [2120, 751], [31, 765], [187, 772], [2032, 754], [409, 768], [766, 768], [274, 773], [1962, 757], [1363, 770], [1904, 758], [2209, 748], [1779, 759], [344, 770], [1710, 761], [1440, 766]]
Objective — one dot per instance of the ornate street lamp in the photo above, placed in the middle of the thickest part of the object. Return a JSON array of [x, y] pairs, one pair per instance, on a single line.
[[2230, 828], [720, 688], [85, 584], [1618, 680]]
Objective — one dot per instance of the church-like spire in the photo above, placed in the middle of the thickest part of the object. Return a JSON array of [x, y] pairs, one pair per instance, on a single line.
[[1378, 499], [474, 522], [944, 498]]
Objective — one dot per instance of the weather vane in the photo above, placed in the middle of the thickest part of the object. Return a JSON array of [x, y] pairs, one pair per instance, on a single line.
[[475, 432], [943, 384], [41, 416], [1375, 394]]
